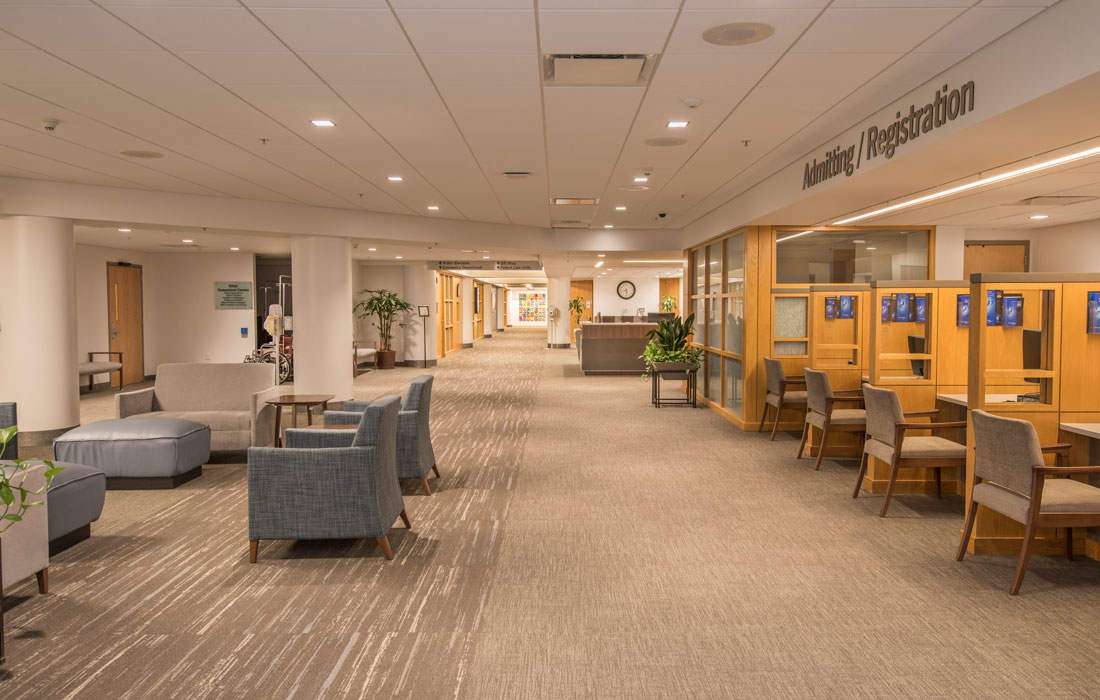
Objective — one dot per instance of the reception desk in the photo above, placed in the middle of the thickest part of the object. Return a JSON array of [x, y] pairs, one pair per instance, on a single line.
[[613, 348]]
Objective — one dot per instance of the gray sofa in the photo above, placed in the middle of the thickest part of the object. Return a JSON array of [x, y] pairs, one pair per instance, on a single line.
[[328, 484], [230, 398]]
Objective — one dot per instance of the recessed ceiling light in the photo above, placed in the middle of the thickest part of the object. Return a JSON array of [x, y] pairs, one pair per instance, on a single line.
[[1036, 217], [234, 248], [600, 255], [372, 249], [738, 33], [323, 122], [124, 230], [142, 154], [608, 226], [871, 248], [395, 178], [620, 208], [610, 269], [634, 188], [1087, 153], [858, 240], [484, 257], [399, 257], [432, 207], [665, 141], [641, 178], [599, 264], [677, 125], [188, 240]]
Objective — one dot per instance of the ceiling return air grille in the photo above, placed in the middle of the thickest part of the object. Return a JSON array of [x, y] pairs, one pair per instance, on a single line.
[[598, 70], [567, 223], [1054, 200]]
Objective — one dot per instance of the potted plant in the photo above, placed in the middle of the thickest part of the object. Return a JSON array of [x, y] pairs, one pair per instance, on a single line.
[[576, 306], [669, 304], [668, 347], [384, 306], [15, 499]]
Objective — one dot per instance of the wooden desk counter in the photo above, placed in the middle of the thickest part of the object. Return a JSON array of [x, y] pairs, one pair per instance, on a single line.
[[616, 330]]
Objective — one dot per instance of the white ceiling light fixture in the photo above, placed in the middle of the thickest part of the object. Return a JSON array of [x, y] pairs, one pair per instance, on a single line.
[[323, 122], [870, 248], [484, 257], [124, 230], [600, 264], [738, 33], [372, 249], [642, 178], [609, 226], [620, 208], [399, 257], [677, 125], [794, 235], [600, 255], [1054, 162], [1035, 217], [188, 240], [234, 248], [395, 178], [433, 207], [575, 200]]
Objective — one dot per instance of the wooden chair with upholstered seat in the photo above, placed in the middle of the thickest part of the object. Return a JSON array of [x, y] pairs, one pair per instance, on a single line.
[[1010, 477], [821, 411], [886, 440], [778, 395]]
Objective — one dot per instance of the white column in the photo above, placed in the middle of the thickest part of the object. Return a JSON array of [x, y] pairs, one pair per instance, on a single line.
[[467, 312], [321, 272], [950, 248], [557, 325], [38, 325], [502, 308], [420, 333]]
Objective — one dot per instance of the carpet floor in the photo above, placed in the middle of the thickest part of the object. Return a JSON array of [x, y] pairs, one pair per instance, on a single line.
[[580, 544]]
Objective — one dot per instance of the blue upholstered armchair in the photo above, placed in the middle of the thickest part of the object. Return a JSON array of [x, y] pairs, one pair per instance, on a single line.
[[415, 457], [328, 484]]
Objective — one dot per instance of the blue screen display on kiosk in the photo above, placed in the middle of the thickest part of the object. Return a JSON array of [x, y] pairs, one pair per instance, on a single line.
[[845, 310], [992, 313], [1012, 310], [1094, 313], [886, 309], [830, 308], [963, 319], [920, 305], [903, 307]]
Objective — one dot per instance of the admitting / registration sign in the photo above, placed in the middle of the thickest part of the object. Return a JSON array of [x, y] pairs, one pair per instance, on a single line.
[[232, 296]]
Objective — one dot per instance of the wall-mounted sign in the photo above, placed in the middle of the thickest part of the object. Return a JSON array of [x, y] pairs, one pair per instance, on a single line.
[[946, 106], [232, 296], [501, 265]]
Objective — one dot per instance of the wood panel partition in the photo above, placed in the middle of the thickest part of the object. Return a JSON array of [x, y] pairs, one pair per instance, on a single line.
[[582, 289]]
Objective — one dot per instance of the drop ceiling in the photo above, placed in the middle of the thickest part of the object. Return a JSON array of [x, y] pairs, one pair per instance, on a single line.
[[449, 95]]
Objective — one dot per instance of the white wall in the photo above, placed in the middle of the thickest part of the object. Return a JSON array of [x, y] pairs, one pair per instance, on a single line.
[[606, 300], [1068, 248], [391, 277], [513, 307]]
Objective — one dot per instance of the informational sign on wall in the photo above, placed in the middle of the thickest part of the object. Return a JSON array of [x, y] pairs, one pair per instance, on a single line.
[[232, 296], [499, 265]]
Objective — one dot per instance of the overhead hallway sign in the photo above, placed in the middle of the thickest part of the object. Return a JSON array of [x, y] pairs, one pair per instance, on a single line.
[[884, 139], [499, 265]]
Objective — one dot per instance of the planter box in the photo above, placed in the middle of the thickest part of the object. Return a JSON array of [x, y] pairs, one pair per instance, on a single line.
[[674, 370]]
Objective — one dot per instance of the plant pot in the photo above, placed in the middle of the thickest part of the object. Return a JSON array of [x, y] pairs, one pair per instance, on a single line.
[[673, 370], [386, 358]]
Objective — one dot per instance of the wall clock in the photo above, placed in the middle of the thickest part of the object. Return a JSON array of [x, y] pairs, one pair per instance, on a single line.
[[625, 289]]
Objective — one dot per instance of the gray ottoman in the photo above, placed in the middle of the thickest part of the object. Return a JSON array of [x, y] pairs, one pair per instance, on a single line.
[[75, 501], [139, 453]]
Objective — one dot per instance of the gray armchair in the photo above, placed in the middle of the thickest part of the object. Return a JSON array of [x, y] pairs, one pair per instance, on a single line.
[[822, 414], [328, 484], [415, 456], [778, 395]]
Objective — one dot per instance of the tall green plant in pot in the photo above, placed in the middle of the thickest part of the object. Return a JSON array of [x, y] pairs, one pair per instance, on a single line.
[[384, 307], [16, 499], [576, 307], [668, 347]]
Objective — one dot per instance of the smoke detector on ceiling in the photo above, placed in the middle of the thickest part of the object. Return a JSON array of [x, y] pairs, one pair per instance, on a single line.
[[738, 33]]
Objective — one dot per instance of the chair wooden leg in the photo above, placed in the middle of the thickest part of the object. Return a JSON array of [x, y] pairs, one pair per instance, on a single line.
[[1069, 543], [424, 485], [384, 543], [968, 527], [778, 413], [253, 549], [821, 447], [1025, 555], [763, 418], [436, 470], [862, 473], [43, 580], [939, 482], [889, 489], [405, 519], [805, 434]]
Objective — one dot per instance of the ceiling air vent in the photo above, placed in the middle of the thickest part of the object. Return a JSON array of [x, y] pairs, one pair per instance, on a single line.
[[575, 200], [598, 70], [1053, 200], [569, 224]]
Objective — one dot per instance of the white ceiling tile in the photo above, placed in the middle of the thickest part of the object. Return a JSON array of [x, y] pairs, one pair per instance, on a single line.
[[251, 67], [585, 129], [755, 5], [175, 3], [604, 32], [899, 4], [71, 28], [500, 70], [608, 5], [366, 69], [471, 31], [1017, 3], [977, 28], [879, 31], [37, 67], [326, 30], [200, 28], [470, 4], [789, 24], [346, 4], [835, 73]]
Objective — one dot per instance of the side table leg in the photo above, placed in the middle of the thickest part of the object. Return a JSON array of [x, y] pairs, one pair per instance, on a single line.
[[294, 415], [309, 415], [278, 421]]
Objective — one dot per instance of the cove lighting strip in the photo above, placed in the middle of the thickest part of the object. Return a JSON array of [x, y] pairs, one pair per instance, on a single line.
[[793, 235], [971, 185]]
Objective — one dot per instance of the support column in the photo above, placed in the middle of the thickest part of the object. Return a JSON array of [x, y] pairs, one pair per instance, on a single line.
[[467, 312], [502, 308], [420, 333], [949, 252], [38, 326], [321, 270], [557, 324]]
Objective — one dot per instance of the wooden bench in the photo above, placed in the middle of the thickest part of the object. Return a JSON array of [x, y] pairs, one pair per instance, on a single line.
[[91, 368], [361, 354]]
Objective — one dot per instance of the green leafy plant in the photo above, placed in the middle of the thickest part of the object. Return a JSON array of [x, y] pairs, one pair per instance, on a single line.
[[384, 306], [669, 304], [13, 509], [668, 342], [576, 306]]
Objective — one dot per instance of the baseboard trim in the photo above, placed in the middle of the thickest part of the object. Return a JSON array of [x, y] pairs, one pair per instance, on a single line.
[[145, 483], [559, 346], [422, 364], [467, 346], [42, 438], [487, 335]]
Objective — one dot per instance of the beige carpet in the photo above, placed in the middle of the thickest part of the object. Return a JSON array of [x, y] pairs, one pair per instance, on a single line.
[[582, 544]]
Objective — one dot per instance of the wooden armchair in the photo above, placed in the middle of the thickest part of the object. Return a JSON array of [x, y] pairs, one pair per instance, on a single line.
[[778, 395], [822, 413], [1011, 478], [363, 350]]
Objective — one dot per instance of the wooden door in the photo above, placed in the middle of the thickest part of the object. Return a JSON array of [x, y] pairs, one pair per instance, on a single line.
[[440, 314], [670, 286], [583, 289], [124, 321], [994, 257]]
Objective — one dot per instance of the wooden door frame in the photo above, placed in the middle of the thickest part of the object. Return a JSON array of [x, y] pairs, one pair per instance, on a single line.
[[1023, 241], [141, 310]]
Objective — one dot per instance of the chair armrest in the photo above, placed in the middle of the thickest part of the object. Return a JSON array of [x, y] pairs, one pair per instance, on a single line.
[[927, 426], [132, 403], [319, 439], [348, 418], [848, 392], [108, 353], [1066, 471], [1058, 447], [847, 399], [921, 414], [262, 417], [356, 406], [799, 379]]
